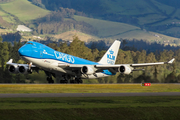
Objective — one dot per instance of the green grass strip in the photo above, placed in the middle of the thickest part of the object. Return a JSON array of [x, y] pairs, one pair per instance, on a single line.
[[101, 108], [86, 88], [89, 102]]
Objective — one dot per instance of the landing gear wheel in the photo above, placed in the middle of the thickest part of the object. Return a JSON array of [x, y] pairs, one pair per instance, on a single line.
[[78, 80], [64, 81], [72, 81], [50, 80], [61, 81]]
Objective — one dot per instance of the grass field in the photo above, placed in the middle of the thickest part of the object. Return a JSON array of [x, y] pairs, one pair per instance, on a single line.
[[106, 28], [100, 108], [23, 9], [86, 88], [90, 108], [115, 30], [128, 8], [69, 36]]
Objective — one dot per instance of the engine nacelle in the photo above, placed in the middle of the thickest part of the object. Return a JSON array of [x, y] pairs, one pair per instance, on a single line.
[[87, 70], [13, 69], [24, 70], [125, 69]]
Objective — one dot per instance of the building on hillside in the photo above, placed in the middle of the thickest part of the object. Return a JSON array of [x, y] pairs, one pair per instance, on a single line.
[[23, 28]]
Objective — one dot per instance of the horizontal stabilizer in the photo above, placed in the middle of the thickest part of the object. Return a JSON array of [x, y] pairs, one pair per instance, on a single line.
[[10, 61]]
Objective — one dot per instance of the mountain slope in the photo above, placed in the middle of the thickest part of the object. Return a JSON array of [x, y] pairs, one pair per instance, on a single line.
[[116, 30], [146, 12], [106, 28], [69, 36], [152, 15], [22, 9]]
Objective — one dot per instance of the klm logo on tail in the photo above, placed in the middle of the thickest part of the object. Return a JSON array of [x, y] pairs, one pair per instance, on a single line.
[[110, 57]]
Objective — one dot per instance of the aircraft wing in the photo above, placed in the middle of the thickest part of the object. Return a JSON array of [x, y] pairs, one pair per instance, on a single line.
[[128, 68], [10, 62], [152, 64], [116, 65], [123, 68], [135, 65]]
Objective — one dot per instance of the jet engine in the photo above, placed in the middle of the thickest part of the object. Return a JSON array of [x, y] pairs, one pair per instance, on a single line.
[[125, 69], [13, 69], [87, 70], [24, 70]]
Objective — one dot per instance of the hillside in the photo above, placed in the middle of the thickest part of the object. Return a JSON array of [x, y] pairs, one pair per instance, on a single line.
[[22, 9], [69, 36], [116, 30], [107, 28], [109, 19], [153, 15]]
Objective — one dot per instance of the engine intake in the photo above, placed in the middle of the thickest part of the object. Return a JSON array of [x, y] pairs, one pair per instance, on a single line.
[[125, 70], [24, 70], [13, 69], [87, 70]]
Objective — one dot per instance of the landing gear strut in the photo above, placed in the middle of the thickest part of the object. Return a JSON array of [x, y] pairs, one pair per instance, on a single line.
[[50, 80]]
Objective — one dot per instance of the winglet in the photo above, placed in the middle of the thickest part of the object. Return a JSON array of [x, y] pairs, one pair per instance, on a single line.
[[171, 61], [10, 61]]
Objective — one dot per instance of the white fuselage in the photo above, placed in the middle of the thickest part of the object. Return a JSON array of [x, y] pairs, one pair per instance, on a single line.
[[51, 65]]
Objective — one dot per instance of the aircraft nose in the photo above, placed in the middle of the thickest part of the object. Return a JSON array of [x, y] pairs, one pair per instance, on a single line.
[[21, 51], [24, 51]]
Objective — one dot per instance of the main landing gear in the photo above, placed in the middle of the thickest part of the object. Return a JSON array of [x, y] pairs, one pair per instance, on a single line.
[[78, 80], [72, 81], [64, 78], [66, 81], [50, 80]]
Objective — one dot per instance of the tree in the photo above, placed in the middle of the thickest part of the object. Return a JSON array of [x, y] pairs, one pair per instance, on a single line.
[[171, 78], [155, 74], [142, 78], [77, 48], [4, 55]]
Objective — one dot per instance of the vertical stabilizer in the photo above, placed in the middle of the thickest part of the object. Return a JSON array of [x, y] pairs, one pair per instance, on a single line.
[[110, 56]]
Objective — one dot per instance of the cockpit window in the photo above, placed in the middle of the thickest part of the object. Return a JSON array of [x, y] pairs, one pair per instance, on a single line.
[[29, 43]]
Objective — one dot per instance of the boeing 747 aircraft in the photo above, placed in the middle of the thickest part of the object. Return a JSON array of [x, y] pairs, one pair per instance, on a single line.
[[71, 68]]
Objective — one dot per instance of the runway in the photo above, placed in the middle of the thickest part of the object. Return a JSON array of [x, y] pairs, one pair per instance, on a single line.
[[41, 95]]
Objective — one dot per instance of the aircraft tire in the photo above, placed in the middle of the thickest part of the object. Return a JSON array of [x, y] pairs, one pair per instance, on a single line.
[[66, 81], [63, 81], [78, 81], [72, 81], [50, 80]]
